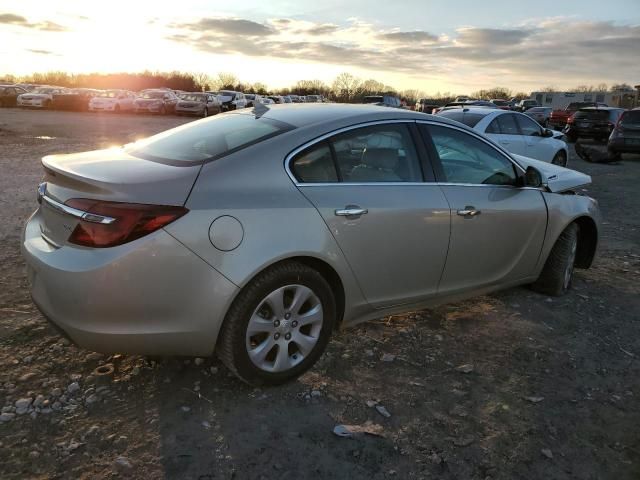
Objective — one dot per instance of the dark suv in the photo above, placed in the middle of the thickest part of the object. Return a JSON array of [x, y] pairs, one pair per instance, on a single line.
[[625, 137], [592, 122]]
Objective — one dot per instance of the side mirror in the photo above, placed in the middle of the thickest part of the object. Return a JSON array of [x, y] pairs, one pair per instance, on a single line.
[[547, 133], [532, 177]]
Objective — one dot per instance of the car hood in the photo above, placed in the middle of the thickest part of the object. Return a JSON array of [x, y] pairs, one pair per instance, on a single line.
[[557, 134], [558, 179]]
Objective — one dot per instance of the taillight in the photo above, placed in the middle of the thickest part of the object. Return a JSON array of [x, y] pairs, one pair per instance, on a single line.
[[570, 119], [126, 221]]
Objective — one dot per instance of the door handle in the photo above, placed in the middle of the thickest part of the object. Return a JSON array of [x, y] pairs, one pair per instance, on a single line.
[[504, 142], [351, 211], [469, 211]]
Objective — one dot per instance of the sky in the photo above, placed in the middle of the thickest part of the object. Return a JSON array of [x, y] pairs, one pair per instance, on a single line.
[[430, 45]]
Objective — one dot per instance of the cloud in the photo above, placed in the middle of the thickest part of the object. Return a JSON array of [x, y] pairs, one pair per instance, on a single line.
[[19, 20], [42, 52], [323, 29], [12, 19], [229, 26], [491, 36], [560, 51], [417, 36]]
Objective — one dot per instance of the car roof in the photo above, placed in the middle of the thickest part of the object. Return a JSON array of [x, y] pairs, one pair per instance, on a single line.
[[601, 108], [302, 115]]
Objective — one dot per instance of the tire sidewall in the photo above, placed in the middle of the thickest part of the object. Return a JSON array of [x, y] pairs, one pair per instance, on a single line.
[[248, 302]]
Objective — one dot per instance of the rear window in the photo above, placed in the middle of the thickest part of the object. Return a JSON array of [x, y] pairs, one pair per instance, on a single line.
[[215, 137], [631, 119], [469, 119], [592, 114]]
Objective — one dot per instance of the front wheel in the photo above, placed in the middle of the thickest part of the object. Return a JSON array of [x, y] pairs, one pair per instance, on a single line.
[[560, 159], [557, 274], [278, 326]]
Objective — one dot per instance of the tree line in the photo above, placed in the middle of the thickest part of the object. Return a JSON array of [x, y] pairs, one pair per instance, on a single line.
[[345, 87]]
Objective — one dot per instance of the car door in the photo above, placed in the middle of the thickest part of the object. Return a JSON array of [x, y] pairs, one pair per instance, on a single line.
[[504, 130], [536, 145], [367, 183], [497, 227]]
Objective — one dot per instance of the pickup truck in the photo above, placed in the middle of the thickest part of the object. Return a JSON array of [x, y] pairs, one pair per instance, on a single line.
[[558, 118]]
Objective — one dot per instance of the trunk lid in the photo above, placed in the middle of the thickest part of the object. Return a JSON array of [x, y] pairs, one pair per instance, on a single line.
[[558, 179], [111, 175]]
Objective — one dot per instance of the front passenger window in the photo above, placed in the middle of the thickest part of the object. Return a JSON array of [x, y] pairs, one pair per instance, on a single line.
[[467, 159]]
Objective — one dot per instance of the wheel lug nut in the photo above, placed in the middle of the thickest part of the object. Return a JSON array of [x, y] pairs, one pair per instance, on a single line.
[[287, 316], [276, 336], [287, 336], [276, 323], [294, 324]]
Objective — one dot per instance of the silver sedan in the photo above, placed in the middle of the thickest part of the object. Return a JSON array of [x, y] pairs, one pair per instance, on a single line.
[[255, 234]]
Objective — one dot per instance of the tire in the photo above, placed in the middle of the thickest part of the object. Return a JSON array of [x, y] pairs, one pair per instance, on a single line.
[[560, 159], [252, 306], [613, 156], [557, 274]]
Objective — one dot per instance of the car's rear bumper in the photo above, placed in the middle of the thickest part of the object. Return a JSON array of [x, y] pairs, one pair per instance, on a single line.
[[587, 132], [152, 296], [622, 145]]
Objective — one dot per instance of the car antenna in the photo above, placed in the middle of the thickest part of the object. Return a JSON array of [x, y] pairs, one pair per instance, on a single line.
[[259, 109]]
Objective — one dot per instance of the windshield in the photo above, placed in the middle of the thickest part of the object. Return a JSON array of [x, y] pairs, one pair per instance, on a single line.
[[631, 119], [193, 97], [213, 138], [500, 103], [227, 93], [249, 96], [592, 114], [152, 95]]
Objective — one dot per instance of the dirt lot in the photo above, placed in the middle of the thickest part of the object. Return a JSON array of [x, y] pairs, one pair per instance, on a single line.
[[551, 389]]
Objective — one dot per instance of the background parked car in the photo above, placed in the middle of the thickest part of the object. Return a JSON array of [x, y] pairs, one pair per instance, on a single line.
[[540, 115], [524, 105], [40, 97], [112, 101], [382, 100], [625, 137], [558, 118], [426, 105], [76, 99], [156, 101], [252, 99], [515, 132], [231, 100], [502, 104], [286, 99], [200, 104], [9, 95], [592, 122]]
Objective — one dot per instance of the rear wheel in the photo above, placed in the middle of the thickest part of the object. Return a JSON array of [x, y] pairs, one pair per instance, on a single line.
[[560, 159], [557, 274], [279, 325]]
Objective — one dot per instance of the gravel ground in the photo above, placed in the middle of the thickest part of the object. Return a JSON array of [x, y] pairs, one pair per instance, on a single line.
[[507, 386]]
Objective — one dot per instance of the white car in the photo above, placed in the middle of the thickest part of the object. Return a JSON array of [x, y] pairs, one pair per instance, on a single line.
[[232, 100], [112, 101], [515, 132], [41, 97]]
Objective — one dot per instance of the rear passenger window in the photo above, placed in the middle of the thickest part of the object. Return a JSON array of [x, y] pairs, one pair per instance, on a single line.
[[314, 165], [380, 153]]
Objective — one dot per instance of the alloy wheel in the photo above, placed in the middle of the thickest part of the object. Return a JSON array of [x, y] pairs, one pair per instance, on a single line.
[[284, 328]]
